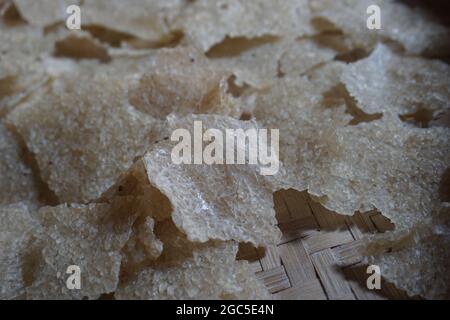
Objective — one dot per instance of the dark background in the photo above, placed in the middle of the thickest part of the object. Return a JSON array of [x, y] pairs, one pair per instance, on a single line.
[[440, 9]]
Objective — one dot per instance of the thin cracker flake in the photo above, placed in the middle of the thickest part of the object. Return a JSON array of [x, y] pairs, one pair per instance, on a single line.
[[18, 231], [182, 81], [84, 133], [207, 23], [145, 19], [382, 164], [226, 202], [211, 273], [410, 27], [16, 183], [386, 82], [427, 257], [21, 71], [44, 13], [88, 236]]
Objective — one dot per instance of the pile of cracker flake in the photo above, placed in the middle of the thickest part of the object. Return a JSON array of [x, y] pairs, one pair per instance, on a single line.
[[86, 176]]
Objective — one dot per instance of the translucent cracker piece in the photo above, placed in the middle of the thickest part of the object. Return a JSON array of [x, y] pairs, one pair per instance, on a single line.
[[422, 267], [142, 247], [90, 237], [304, 54], [387, 82], [147, 19], [182, 81], [255, 64], [211, 273], [207, 23], [21, 71], [44, 12], [83, 132], [384, 164], [16, 183], [307, 128], [411, 28], [259, 62], [18, 232], [218, 201], [388, 165]]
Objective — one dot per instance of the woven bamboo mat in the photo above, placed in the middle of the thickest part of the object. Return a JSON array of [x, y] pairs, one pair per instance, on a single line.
[[317, 257]]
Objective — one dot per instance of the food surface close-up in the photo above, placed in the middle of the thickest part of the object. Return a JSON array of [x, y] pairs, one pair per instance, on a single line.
[[224, 149]]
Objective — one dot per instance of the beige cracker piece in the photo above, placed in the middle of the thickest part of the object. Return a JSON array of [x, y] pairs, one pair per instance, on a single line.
[[22, 49], [90, 237], [421, 268], [174, 274], [182, 81], [19, 230], [383, 164], [410, 27], [16, 183], [219, 201], [259, 62], [206, 23], [83, 132], [44, 13], [389, 83], [145, 19]]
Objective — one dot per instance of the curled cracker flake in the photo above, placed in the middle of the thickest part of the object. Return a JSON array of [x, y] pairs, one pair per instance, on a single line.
[[422, 267], [211, 273], [417, 33], [84, 133], [307, 128], [88, 236], [216, 201], [386, 164], [207, 23], [21, 71], [257, 65], [182, 81], [383, 164], [386, 82], [304, 54], [142, 247], [146, 19]]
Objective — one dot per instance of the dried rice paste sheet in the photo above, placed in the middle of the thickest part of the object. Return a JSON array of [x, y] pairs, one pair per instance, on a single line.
[[17, 182], [384, 164], [416, 32], [182, 81], [19, 230], [145, 19], [388, 83], [83, 132], [260, 62], [307, 128], [44, 13], [305, 54], [253, 61], [22, 50], [211, 273], [387, 165], [422, 267], [142, 247], [90, 237], [206, 23], [218, 201]]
